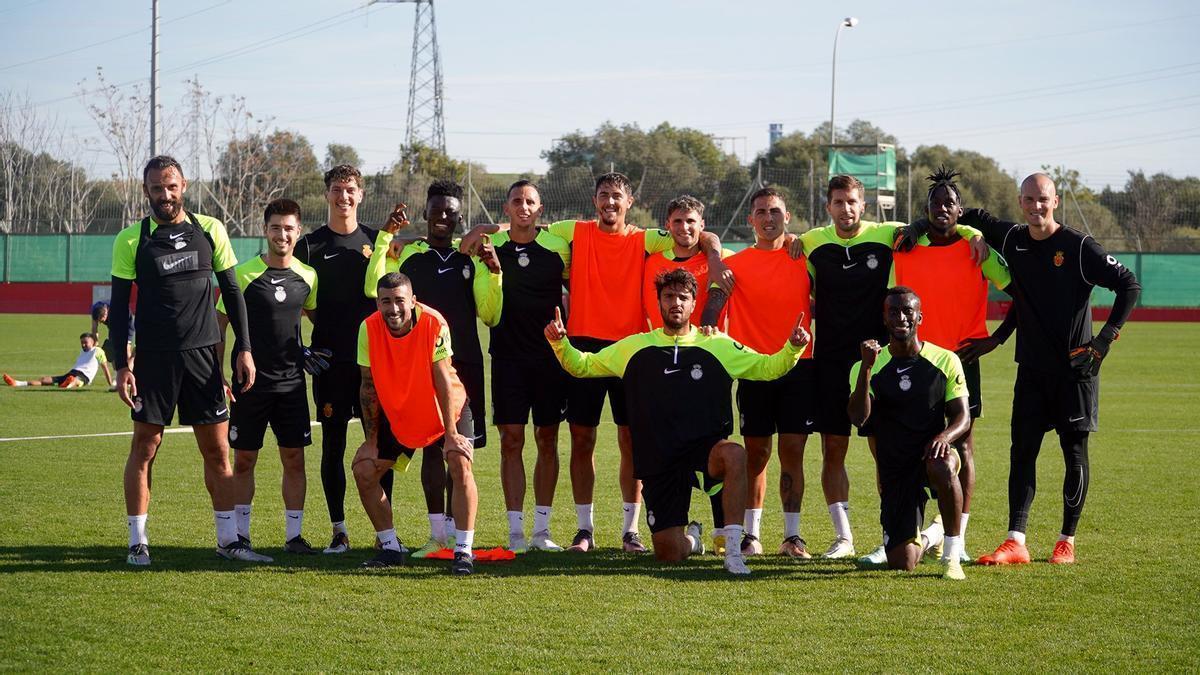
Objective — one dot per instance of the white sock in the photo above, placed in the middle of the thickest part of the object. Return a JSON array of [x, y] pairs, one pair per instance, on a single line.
[[541, 519], [437, 526], [583, 517], [293, 520], [631, 510], [933, 535], [753, 522], [226, 527], [340, 526], [839, 513], [387, 540], [1018, 537], [962, 528], [1070, 539], [449, 529], [463, 540], [24, 383], [733, 541], [137, 530], [241, 513], [791, 524], [516, 524], [953, 547]]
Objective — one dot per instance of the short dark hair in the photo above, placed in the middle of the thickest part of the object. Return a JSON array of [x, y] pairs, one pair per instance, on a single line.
[[444, 188], [943, 177], [89, 335], [281, 207], [687, 203], [97, 308], [678, 277], [844, 182], [901, 290], [393, 280], [343, 173], [616, 179], [766, 191], [524, 182], [161, 163]]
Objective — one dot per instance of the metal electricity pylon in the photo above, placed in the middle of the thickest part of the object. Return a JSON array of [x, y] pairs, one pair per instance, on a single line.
[[425, 124]]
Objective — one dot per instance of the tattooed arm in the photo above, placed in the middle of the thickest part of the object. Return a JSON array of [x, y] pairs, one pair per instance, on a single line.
[[368, 399]]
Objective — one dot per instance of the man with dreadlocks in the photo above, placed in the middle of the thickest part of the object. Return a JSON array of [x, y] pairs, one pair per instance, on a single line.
[[953, 291]]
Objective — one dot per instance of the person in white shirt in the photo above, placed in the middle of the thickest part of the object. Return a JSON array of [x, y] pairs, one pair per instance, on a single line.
[[91, 359]]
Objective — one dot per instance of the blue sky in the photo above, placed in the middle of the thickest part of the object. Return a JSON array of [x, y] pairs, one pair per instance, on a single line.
[[1100, 87]]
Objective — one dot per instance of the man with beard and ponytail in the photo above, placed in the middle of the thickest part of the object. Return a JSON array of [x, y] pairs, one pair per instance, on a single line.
[[172, 256], [678, 384]]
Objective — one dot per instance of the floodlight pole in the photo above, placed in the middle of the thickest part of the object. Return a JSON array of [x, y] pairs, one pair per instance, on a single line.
[[154, 121], [848, 22]]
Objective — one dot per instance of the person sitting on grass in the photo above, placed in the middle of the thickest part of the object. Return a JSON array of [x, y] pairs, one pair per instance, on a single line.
[[90, 359]]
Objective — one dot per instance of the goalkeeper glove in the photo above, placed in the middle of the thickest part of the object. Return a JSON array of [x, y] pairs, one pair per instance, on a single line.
[[316, 361], [1085, 360]]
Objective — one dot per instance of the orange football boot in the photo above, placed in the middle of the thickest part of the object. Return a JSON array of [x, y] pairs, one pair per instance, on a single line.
[[1064, 553], [1009, 553]]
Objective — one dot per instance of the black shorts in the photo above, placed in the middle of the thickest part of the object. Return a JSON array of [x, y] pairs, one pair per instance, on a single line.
[[392, 450], [833, 395], [78, 375], [471, 375], [902, 500], [519, 387], [285, 411], [668, 495], [190, 379], [974, 393], [1044, 401], [335, 393], [585, 395], [106, 347], [784, 406]]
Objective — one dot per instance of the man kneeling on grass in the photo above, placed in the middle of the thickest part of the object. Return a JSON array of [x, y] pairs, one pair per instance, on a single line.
[[410, 398], [677, 382], [907, 392]]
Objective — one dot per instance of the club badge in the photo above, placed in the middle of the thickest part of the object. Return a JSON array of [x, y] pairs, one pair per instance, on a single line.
[[1059, 257], [905, 383], [697, 372], [366, 250], [466, 271], [872, 262], [523, 260], [233, 433], [280, 294]]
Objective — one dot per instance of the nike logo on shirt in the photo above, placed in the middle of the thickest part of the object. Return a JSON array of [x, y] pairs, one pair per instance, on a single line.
[[901, 370], [518, 248], [443, 271], [177, 235], [1020, 249], [846, 267], [668, 371], [173, 265], [278, 281], [331, 255]]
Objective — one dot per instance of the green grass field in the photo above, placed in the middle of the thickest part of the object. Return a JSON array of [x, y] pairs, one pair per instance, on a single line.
[[71, 603]]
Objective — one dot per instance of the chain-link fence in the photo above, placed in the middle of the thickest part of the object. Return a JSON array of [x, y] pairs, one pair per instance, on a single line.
[[1146, 216]]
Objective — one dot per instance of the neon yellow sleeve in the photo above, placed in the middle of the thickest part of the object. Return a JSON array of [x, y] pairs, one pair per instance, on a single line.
[[364, 346], [124, 248], [563, 229], [608, 362], [995, 268], [489, 295], [377, 266], [742, 362], [223, 256], [658, 241], [442, 348]]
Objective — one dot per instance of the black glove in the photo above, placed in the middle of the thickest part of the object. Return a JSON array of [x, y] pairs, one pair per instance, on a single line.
[[316, 361], [1085, 360], [907, 236]]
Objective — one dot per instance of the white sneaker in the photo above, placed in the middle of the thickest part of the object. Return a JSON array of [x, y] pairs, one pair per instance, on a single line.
[[239, 551], [516, 542], [875, 558], [736, 565], [542, 542], [964, 557], [696, 531], [953, 570], [840, 548]]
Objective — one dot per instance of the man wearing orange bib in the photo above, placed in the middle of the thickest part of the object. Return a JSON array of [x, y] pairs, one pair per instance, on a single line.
[[685, 222], [411, 397]]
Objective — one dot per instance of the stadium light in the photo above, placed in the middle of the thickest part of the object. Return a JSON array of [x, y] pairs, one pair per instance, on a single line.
[[848, 22]]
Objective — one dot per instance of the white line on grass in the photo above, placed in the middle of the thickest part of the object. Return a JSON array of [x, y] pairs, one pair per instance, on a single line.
[[168, 430]]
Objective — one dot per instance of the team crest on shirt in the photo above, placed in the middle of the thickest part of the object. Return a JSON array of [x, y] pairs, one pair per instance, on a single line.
[[179, 243], [523, 260], [280, 294], [466, 271], [697, 372], [905, 383], [366, 250], [1059, 257], [233, 433], [872, 262]]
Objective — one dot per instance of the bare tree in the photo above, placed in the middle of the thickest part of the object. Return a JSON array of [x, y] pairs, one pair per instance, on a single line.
[[124, 122]]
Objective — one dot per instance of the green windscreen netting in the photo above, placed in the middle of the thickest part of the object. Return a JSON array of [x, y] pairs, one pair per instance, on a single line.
[[877, 171]]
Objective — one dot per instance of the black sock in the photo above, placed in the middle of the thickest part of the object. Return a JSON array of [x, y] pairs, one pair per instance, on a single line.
[[333, 468], [1075, 481]]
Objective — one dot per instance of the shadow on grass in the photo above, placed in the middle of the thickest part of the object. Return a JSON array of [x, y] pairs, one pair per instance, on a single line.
[[178, 559]]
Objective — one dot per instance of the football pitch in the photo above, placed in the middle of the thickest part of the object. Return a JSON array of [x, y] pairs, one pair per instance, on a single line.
[[71, 603]]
